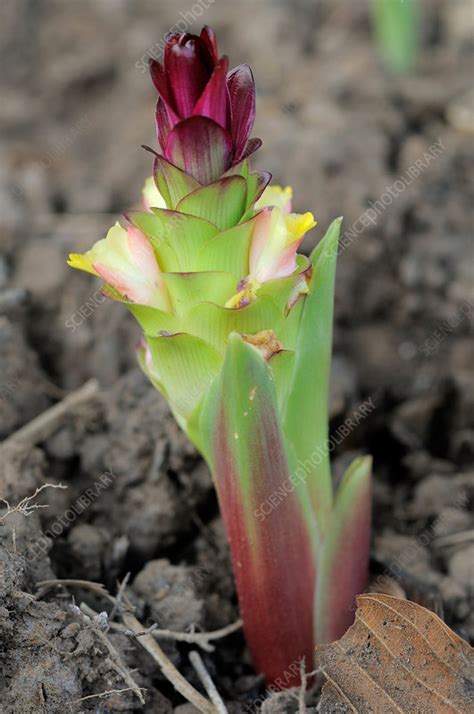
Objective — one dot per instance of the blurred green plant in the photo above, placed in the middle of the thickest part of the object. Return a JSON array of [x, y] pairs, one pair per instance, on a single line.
[[397, 32]]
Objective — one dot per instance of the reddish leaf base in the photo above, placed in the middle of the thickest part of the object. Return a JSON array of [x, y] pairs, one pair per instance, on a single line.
[[273, 563]]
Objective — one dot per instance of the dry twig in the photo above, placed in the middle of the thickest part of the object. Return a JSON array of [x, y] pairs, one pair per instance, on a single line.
[[99, 588], [305, 677], [168, 669], [147, 642], [102, 695], [120, 595], [302, 692], [115, 659], [27, 505], [198, 638], [45, 424], [208, 684], [202, 639]]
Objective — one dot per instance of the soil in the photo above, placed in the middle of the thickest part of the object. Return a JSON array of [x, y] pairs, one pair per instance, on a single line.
[[342, 130]]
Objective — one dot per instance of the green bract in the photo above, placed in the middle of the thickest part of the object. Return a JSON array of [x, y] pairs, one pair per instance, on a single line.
[[202, 241]]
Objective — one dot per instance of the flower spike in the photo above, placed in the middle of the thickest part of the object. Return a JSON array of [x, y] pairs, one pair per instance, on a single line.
[[237, 333]]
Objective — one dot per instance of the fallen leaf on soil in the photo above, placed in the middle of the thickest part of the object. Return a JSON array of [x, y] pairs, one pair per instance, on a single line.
[[398, 657]]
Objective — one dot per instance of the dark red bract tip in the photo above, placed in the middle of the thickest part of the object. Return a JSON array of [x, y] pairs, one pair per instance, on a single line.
[[194, 82]]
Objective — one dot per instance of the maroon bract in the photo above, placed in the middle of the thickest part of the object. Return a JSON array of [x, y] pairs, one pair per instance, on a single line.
[[204, 113]]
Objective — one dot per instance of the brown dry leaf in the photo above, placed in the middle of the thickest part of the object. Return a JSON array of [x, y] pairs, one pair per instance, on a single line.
[[398, 657]]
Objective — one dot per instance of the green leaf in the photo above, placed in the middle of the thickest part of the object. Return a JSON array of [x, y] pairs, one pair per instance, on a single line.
[[306, 415], [344, 555], [281, 365], [176, 237], [256, 183], [241, 169], [221, 203], [186, 366], [151, 319], [156, 230], [289, 328], [187, 289], [153, 377], [271, 543], [397, 31], [173, 183], [228, 251], [214, 324]]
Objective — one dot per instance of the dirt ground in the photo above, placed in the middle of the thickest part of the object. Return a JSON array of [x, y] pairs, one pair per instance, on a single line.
[[76, 106]]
